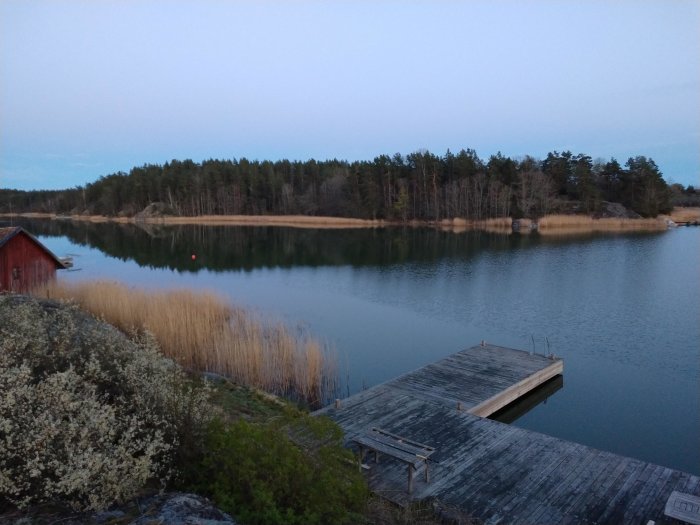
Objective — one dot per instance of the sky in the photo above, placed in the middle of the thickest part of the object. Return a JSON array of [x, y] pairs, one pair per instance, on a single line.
[[93, 87]]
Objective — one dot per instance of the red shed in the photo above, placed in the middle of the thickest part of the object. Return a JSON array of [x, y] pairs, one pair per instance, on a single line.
[[24, 261]]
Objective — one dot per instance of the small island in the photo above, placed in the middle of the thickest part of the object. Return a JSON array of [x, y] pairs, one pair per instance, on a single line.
[[562, 193]]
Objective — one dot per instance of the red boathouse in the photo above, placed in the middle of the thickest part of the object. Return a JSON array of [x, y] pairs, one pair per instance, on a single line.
[[24, 261]]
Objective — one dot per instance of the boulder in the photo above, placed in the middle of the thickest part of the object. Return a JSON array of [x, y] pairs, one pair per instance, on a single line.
[[615, 210], [171, 508], [154, 210], [177, 508]]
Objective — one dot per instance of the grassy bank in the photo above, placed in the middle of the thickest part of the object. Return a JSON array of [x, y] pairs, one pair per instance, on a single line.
[[201, 332], [293, 221], [684, 214], [579, 224], [549, 224], [94, 419], [495, 225]]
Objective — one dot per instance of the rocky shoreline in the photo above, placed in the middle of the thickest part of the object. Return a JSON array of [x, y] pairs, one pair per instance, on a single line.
[[173, 508]]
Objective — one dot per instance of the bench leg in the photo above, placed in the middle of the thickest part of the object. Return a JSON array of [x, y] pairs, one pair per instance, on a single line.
[[376, 456], [361, 458], [410, 479], [427, 473]]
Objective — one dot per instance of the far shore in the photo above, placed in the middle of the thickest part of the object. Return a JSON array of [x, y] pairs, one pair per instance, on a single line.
[[549, 224], [297, 221]]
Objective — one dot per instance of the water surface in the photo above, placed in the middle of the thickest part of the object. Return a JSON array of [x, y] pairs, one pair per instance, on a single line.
[[622, 310]]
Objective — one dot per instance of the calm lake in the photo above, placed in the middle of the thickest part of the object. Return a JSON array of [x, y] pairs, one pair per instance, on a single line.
[[622, 310]]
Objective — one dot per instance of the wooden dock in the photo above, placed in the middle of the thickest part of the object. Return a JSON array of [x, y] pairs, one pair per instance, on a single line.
[[492, 471]]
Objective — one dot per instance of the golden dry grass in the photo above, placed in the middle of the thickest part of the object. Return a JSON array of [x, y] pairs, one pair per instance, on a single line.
[[201, 332], [460, 225], [572, 224], [296, 221], [550, 224], [684, 214], [496, 225]]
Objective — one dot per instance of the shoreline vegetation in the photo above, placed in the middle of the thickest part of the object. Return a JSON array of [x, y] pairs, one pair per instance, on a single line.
[[97, 419], [555, 224], [300, 473], [202, 333], [420, 186]]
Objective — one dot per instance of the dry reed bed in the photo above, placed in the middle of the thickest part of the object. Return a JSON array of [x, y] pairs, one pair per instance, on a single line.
[[298, 221], [684, 214], [201, 332], [566, 224], [550, 224], [460, 225]]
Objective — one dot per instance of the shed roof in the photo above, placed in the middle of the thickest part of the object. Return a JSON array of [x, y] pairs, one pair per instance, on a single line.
[[8, 233]]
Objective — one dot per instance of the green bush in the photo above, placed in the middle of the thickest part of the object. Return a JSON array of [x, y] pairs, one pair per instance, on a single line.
[[87, 415], [292, 471]]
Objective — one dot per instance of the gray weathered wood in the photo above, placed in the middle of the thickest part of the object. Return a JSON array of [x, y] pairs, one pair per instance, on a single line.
[[685, 507], [495, 472], [411, 452], [385, 448]]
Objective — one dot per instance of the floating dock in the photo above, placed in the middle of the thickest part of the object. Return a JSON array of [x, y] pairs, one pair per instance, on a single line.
[[492, 471]]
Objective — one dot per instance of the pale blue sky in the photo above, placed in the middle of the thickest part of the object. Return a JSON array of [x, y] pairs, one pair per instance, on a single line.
[[88, 88]]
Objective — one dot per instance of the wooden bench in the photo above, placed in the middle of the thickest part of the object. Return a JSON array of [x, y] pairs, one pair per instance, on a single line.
[[411, 452]]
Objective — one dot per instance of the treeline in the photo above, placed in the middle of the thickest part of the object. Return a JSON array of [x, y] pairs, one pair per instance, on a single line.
[[420, 186], [688, 196]]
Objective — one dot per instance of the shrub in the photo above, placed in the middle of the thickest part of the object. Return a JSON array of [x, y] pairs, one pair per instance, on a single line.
[[87, 415], [294, 471]]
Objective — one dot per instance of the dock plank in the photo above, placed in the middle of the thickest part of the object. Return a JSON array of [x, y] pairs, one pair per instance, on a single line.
[[612, 470], [557, 503], [493, 471]]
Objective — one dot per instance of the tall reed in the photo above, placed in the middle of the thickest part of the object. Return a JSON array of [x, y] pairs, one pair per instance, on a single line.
[[201, 332], [561, 224], [684, 214], [495, 225]]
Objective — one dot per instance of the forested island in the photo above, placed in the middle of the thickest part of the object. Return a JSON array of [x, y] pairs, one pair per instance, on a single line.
[[420, 186]]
